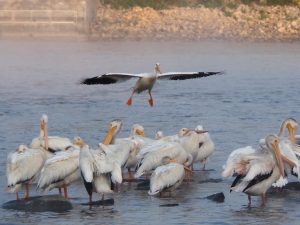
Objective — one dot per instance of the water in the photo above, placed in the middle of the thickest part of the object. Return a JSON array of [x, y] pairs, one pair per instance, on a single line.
[[260, 89]]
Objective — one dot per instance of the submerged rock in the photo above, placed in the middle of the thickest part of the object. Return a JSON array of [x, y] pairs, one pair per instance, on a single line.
[[293, 186], [169, 205], [106, 202], [53, 203], [211, 180], [145, 185], [218, 197]]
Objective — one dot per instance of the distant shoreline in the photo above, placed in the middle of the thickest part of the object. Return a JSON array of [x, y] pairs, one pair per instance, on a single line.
[[244, 23]]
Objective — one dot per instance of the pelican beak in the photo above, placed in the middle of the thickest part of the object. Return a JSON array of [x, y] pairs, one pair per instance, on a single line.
[[45, 126], [108, 139], [292, 133], [201, 131], [278, 157], [140, 133]]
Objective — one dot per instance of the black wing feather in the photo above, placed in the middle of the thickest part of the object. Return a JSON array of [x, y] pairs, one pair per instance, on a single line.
[[99, 80], [193, 76], [236, 180], [258, 179]]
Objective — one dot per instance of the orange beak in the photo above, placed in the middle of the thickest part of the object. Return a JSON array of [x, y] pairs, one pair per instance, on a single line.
[[110, 135]]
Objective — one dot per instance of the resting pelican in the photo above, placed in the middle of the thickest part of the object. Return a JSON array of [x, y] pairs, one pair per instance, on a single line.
[[62, 169], [50, 143], [22, 167], [170, 151], [166, 178], [257, 171], [145, 81]]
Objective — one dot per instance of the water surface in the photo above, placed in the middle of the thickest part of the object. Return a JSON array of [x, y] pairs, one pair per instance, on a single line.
[[259, 90]]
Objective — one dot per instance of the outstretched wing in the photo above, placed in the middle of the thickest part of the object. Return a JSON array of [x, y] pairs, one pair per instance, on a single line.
[[186, 75], [109, 78]]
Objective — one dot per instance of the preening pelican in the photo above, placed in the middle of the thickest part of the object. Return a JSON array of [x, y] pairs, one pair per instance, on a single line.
[[166, 178], [99, 172], [62, 169], [145, 81], [114, 128], [22, 167], [204, 146], [50, 143], [257, 171]]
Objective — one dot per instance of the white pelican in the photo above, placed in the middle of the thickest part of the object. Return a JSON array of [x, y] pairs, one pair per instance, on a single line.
[[166, 178], [169, 151], [257, 171], [203, 148], [22, 167], [114, 128], [62, 169], [145, 80], [50, 143], [99, 172]]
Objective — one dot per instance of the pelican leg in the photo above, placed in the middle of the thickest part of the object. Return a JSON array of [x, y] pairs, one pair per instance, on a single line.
[[249, 200], [102, 199], [130, 177], [264, 200], [65, 191], [90, 201], [204, 163], [151, 102], [129, 101], [26, 191], [59, 191], [17, 194]]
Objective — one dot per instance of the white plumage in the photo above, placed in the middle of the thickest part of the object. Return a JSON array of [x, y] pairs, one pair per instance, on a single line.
[[23, 166], [166, 177]]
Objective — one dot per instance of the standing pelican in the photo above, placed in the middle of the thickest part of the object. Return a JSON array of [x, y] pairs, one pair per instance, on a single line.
[[22, 167], [49, 143], [166, 178], [257, 171], [62, 169], [145, 81]]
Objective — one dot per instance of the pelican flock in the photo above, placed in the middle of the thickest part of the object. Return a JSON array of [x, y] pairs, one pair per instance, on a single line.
[[56, 162], [145, 81]]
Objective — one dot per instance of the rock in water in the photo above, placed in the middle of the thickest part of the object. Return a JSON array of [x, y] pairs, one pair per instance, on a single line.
[[106, 202], [292, 186], [218, 197], [144, 185], [53, 203]]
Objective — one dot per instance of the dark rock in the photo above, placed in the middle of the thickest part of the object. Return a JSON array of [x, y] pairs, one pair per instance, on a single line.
[[169, 205], [210, 181], [106, 202], [218, 197], [53, 203], [292, 186], [144, 185]]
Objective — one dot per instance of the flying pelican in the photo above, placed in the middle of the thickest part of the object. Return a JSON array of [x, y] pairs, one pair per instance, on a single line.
[[166, 178], [22, 167], [257, 171], [145, 81], [50, 143], [62, 169]]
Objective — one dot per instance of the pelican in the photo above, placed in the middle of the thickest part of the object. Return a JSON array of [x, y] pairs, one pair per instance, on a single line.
[[22, 167], [204, 147], [258, 170], [99, 172], [145, 81], [171, 151], [114, 128], [166, 178], [49, 143], [62, 169]]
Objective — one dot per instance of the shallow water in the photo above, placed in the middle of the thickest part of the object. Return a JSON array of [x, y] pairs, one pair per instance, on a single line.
[[259, 90]]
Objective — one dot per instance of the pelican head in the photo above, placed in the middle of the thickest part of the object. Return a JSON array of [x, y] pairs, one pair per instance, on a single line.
[[272, 143], [157, 68], [114, 128], [78, 141], [159, 134], [44, 129], [184, 132], [200, 130], [22, 148], [138, 129], [292, 125]]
